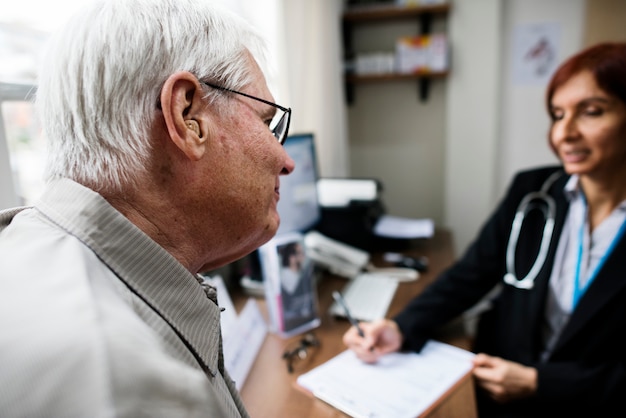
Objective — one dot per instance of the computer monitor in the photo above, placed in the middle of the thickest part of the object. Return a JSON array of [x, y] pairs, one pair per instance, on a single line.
[[298, 205]]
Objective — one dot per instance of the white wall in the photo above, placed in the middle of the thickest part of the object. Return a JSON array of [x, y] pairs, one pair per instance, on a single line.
[[495, 127], [315, 79], [525, 122], [473, 109]]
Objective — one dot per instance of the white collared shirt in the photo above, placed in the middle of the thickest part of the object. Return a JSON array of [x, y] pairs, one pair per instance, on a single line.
[[559, 305], [76, 341]]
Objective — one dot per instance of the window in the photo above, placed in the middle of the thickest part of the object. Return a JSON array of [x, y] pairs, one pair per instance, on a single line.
[[21, 132]]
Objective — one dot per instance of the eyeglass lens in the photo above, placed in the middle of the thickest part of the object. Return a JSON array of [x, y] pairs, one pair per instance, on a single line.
[[279, 127]]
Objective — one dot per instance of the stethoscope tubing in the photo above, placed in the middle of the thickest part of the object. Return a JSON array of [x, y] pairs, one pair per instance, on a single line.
[[542, 200]]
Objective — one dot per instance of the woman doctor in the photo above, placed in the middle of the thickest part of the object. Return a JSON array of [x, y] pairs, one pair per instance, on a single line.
[[552, 343]]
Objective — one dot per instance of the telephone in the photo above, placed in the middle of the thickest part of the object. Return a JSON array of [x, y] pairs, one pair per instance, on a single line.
[[347, 261], [339, 258]]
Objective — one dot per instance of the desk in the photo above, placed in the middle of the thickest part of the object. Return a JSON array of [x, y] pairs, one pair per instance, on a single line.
[[269, 390]]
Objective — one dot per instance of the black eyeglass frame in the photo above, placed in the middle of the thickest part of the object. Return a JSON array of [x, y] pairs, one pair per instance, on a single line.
[[301, 351], [287, 111]]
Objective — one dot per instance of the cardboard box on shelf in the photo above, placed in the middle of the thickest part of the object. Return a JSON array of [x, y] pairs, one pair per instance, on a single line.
[[422, 54], [375, 63]]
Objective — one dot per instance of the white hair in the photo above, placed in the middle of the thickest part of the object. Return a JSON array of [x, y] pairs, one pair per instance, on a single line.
[[101, 77]]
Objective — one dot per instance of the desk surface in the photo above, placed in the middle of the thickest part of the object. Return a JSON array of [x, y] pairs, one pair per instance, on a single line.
[[270, 391]]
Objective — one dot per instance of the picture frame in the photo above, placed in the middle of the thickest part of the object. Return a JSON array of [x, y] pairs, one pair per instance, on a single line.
[[290, 285]]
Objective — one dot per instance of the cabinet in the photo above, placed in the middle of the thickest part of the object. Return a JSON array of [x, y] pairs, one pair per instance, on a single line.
[[362, 15]]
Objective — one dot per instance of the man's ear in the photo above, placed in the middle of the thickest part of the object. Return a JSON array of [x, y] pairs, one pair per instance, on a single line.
[[185, 113]]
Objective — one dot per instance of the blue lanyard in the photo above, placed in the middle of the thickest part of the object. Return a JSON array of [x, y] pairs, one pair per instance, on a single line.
[[578, 290]]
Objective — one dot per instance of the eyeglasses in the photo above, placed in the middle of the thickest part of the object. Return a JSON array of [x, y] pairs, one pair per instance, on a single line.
[[301, 351], [279, 125]]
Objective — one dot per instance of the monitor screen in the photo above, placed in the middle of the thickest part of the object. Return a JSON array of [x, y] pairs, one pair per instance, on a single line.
[[298, 205]]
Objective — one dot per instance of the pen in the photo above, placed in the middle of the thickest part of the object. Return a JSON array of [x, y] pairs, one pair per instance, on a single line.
[[340, 300]]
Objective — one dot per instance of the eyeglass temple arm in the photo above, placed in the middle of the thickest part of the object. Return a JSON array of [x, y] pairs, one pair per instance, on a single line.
[[284, 109]]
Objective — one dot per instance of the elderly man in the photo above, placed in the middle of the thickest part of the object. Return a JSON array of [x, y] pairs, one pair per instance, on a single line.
[[165, 151]]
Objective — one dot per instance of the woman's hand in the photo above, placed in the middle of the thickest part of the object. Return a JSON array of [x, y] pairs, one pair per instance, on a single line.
[[504, 380], [380, 337]]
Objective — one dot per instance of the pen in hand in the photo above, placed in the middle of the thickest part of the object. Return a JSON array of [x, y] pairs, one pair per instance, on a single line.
[[341, 301]]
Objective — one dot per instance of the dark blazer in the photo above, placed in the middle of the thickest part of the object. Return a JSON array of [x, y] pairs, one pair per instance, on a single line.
[[586, 373]]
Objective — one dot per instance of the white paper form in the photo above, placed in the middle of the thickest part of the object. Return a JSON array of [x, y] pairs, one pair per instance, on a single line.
[[244, 342], [399, 385], [228, 318]]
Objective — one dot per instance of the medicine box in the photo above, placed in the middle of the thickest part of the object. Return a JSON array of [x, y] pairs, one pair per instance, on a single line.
[[422, 54]]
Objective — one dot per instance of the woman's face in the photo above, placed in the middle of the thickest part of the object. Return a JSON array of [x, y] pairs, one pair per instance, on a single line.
[[588, 130]]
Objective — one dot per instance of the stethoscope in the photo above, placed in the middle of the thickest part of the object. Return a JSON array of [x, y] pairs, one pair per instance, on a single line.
[[535, 200]]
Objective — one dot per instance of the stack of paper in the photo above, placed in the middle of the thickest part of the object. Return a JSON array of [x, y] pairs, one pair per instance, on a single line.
[[399, 385], [407, 228]]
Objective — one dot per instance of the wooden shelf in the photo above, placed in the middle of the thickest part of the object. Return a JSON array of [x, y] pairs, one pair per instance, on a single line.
[[424, 81], [372, 78], [357, 14]]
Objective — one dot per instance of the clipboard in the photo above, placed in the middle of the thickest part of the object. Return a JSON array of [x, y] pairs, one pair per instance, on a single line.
[[402, 385]]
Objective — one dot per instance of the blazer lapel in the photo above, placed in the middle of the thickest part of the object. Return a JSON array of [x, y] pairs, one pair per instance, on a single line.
[[609, 281], [538, 298]]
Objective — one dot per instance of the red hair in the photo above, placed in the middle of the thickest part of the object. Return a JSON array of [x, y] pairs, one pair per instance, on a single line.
[[605, 61], [607, 64]]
